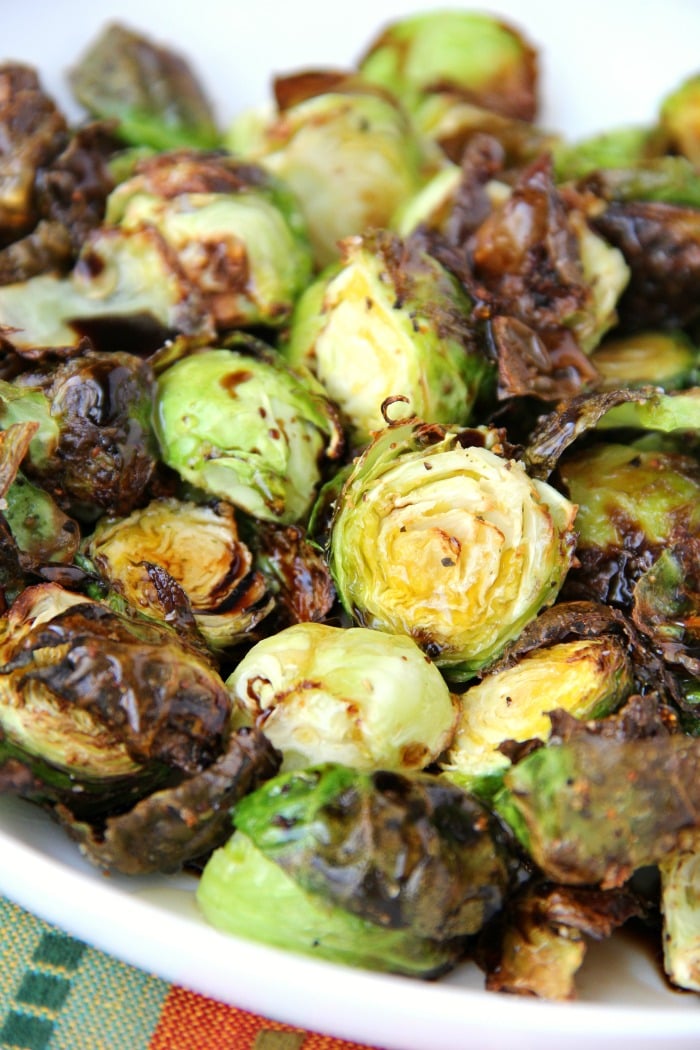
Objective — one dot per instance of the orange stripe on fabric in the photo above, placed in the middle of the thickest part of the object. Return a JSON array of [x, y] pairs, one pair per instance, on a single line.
[[192, 1022]]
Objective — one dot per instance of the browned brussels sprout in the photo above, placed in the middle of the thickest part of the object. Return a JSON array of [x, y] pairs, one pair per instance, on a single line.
[[196, 544], [94, 450], [388, 870]]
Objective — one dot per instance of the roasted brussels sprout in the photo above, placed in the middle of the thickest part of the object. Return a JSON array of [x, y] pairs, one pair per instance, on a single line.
[[632, 504], [624, 147], [678, 119], [588, 677], [245, 427], [332, 694], [668, 360], [348, 152], [388, 321], [395, 870], [473, 56], [94, 450], [438, 534], [680, 903], [149, 90], [199, 547]]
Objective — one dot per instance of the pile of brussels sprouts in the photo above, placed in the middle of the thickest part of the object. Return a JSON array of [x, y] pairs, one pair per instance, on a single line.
[[350, 520]]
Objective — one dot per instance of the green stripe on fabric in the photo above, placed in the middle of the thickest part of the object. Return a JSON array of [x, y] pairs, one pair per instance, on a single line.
[[57, 949], [25, 1031], [43, 989]]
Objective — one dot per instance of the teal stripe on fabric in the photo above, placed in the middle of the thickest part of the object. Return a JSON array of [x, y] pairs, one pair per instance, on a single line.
[[43, 989], [25, 1031], [57, 949], [111, 1005]]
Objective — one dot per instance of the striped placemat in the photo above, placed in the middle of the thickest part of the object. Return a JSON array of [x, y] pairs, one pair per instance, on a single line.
[[58, 993]]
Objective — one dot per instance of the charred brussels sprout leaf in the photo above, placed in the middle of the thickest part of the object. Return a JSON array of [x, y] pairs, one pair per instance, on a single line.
[[331, 694], [246, 428], [150, 90], [596, 808], [199, 547], [473, 56], [389, 321], [94, 450], [439, 535], [405, 855]]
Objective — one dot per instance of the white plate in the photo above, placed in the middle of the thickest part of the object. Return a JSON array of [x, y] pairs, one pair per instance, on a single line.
[[602, 64]]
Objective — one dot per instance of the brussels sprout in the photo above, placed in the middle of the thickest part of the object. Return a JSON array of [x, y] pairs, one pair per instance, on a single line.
[[594, 809], [198, 545], [348, 152], [679, 119], [680, 905], [675, 413], [246, 428], [619, 148], [588, 677], [351, 695], [100, 706], [236, 234], [664, 359], [94, 450], [473, 55], [439, 535], [149, 90], [632, 504], [399, 853], [389, 321]]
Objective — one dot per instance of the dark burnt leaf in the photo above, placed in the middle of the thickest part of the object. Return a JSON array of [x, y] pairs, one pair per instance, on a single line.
[[539, 942], [661, 245], [32, 132], [179, 825], [303, 583], [547, 364], [557, 430], [12, 576]]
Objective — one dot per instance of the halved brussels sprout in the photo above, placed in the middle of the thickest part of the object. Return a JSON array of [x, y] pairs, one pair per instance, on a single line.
[[680, 905], [348, 152], [332, 694], [588, 677], [679, 119], [199, 547], [388, 321], [668, 360], [390, 871], [472, 55], [245, 427], [439, 535]]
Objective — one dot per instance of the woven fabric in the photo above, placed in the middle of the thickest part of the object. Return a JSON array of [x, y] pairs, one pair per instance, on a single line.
[[57, 993]]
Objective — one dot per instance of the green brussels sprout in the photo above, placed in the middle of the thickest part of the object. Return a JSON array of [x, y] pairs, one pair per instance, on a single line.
[[594, 809], [94, 448], [588, 677], [149, 90], [390, 871], [680, 907], [619, 148], [245, 427], [476, 56], [388, 321], [348, 152], [679, 119], [668, 360], [632, 503], [199, 547], [332, 694], [675, 413], [439, 535]]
